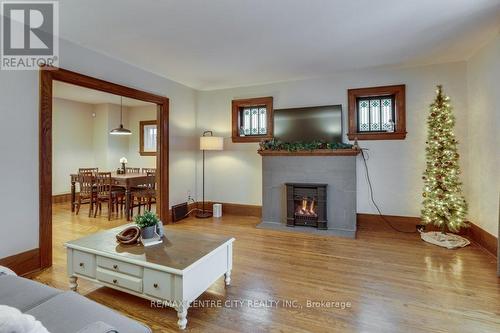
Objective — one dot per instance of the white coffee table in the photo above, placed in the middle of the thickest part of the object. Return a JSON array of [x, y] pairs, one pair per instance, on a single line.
[[175, 272]]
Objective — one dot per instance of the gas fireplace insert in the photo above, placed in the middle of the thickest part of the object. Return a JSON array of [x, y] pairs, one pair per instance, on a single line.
[[306, 205]]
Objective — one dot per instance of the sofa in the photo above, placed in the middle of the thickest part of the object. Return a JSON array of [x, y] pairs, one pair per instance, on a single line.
[[63, 312]]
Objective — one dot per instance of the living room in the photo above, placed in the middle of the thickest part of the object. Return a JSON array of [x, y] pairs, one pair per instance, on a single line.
[[365, 263]]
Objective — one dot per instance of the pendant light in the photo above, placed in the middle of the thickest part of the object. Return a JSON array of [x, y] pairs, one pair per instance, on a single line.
[[120, 130]]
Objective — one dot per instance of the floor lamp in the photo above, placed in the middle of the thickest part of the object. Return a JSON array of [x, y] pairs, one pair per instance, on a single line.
[[208, 142]]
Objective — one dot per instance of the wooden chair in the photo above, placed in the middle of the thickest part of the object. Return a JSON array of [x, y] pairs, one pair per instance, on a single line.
[[146, 194], [105, 193], [133, 170], [86, 181], [149, 170], [86, 170]]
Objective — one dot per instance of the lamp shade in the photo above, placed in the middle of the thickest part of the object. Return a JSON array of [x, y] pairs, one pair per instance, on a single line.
[[120, 131], [211, 143]]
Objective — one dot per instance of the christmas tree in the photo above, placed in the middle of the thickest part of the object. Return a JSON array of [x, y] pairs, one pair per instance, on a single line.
[[444, 204]]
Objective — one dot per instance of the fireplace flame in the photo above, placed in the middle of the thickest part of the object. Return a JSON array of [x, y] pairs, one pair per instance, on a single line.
[[306, 208]]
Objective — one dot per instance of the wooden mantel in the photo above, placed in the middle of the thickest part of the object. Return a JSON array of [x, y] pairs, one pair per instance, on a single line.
[[316, 152]]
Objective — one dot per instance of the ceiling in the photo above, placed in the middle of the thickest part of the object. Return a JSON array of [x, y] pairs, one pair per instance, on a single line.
[[90, 96], [227, 43]]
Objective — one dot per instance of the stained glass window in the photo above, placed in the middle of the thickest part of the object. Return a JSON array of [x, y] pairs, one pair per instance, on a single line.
[[387, 120], [253, 121], [376, 114]]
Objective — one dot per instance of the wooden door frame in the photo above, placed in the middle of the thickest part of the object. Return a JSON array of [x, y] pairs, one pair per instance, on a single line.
[[47, 76]]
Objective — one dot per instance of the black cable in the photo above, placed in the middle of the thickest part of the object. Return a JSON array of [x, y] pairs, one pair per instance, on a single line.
[[192, 210], [373, 200]]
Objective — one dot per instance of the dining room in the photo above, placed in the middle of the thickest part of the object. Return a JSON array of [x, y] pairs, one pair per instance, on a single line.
[[104, 157]]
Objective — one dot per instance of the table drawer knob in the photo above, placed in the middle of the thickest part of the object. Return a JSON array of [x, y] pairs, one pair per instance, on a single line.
[[82, 264], [115, 266], [155, 285], [115, 281]]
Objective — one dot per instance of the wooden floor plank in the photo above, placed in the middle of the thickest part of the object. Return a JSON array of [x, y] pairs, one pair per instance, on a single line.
[[394, 282]]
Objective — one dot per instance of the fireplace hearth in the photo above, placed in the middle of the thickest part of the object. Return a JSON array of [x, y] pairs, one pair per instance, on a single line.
[[306, 205]]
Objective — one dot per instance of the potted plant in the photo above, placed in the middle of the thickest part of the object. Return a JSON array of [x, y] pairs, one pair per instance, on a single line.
[[147, 222]]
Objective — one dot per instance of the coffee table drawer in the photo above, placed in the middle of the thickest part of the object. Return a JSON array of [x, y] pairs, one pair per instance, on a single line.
[[119, 279], [119, 266], [84, 263], [158, 284]]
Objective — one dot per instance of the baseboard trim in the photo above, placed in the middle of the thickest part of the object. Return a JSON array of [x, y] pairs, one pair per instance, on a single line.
[[61, 198], [397, 220], [23, 263], [483, 238], [234, 209], [474, 233]]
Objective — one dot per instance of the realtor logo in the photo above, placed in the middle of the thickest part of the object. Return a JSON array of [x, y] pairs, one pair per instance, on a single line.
[[30, 34]]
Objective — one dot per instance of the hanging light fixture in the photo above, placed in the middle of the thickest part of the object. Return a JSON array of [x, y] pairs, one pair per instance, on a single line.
[[120, 130]]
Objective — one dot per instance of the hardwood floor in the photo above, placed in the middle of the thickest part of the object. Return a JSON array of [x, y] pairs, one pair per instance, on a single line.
[[394, 282]]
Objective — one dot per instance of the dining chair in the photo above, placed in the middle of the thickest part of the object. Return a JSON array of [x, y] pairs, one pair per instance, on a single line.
[[148, 170], [92, 170], [133, 170], [146, 194], [86, 181], [151, 192], [105, 193]]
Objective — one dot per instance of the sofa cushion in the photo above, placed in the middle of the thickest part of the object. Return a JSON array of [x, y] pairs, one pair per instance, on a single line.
[[70, 312], [24, 294]]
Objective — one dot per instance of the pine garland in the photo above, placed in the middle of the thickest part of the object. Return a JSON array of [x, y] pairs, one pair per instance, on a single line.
[[444, 204], [274, 144]]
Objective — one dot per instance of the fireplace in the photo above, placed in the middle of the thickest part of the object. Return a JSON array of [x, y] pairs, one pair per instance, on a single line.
[[306, 205], [339, 197]]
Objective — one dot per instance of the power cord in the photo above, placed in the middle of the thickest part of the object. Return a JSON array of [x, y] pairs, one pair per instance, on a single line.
[[372, 197], [192, 210]]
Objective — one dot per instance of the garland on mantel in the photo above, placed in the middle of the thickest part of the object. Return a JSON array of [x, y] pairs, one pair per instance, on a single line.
[[275, 144]]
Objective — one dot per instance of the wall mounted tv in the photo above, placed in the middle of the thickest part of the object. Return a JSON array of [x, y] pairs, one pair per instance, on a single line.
[[307, 124]]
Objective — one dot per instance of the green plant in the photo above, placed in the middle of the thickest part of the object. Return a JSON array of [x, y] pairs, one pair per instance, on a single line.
[[148, 219], [274, 144]]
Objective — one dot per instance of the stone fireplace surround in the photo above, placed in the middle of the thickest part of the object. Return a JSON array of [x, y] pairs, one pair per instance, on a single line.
[[339, 172]]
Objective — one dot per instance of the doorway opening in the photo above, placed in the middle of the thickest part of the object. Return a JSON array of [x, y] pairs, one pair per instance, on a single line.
[[82, 125]]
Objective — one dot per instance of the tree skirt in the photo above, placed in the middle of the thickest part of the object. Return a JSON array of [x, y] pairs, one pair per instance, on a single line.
[[449, 241]]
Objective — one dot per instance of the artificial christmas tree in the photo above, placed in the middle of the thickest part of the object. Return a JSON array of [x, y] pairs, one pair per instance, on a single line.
[[444, 204]]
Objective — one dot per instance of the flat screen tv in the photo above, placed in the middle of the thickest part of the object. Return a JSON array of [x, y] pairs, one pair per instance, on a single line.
[[308, 124]]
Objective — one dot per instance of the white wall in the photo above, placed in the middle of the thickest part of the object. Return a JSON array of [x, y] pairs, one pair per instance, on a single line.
[[234, 175], [19, 112], [483, 74], [134, 116], [100, 136], [72, 148], [19, 161]]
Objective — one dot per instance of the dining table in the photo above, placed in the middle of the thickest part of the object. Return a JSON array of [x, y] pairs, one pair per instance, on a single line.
[[126, 181]]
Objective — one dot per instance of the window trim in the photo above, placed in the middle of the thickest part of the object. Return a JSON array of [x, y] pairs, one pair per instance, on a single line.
[[399, 92], [143, 123], [237, 104]]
